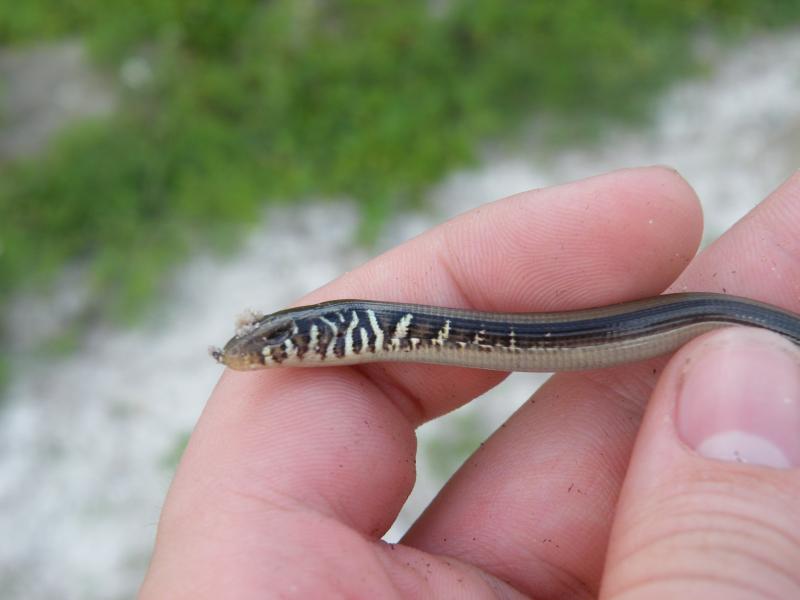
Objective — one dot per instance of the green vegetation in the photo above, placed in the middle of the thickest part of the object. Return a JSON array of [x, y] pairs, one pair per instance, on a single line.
[[171, 458], [245, 103], [447, 451]]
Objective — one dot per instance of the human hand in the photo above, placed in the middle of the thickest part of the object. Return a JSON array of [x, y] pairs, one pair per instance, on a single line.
[[292, 475]]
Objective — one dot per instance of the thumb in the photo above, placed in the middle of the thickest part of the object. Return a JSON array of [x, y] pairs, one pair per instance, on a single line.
[[710, 507]]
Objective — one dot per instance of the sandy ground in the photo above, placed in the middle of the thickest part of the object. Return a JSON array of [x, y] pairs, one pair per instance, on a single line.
[[87, 443], [42, 88]]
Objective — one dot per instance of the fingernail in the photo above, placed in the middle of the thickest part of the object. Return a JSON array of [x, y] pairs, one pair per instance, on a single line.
[[740, 398]]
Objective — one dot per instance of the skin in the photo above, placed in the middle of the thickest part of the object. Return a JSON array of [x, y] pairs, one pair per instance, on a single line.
[[292, 476]]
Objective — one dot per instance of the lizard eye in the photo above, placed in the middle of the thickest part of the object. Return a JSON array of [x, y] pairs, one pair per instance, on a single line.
[[278, 333]]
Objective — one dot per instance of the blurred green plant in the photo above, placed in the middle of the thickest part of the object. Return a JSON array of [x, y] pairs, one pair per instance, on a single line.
[[447, 451], [4, 374], [241, 103], [173, 456]]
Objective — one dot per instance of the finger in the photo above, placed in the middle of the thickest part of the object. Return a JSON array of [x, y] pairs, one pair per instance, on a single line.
[[546, 484], [340, 442], [606, 239], [709, 505]]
